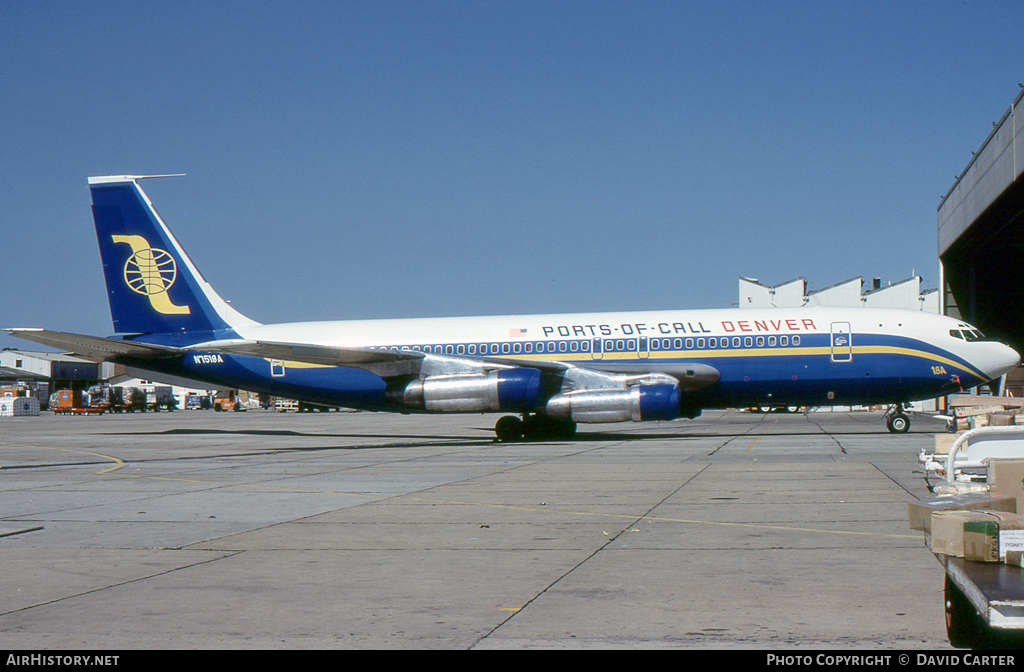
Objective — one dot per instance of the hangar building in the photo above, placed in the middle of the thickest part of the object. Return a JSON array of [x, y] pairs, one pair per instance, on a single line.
[[906, 294], [981, 235]]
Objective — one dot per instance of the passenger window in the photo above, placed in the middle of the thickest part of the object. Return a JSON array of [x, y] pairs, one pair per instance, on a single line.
[[504, 348], [760, 341], [460, 349], [631, 345], [796, 340], [472, 348], [551, 346], [771, 341], [449, 350], [529, 347], [735, 341], [700, 343], [620, 345], [713, 343], [748, 342], [517, 348], [678, 343], [494, 348], [655, 344], [689, 344], [609, 346], [574, 346], [783, 340], [585, 346]]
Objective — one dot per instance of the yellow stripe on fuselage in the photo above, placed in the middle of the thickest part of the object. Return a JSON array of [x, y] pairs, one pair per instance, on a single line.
[[744, 352]]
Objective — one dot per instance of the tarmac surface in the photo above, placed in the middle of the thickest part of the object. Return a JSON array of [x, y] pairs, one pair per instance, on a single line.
[[265, 530]]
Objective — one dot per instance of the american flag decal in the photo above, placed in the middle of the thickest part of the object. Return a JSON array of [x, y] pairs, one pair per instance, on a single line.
[[517, 333]]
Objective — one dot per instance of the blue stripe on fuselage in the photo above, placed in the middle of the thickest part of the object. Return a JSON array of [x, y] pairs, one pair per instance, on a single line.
[[749, 376]]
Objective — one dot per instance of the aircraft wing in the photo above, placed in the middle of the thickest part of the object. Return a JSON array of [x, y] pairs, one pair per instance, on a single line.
[[95, 347], [310, 354], [691, 376]]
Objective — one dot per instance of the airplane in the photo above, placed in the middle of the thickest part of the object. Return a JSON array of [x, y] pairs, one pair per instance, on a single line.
[[546, 372]]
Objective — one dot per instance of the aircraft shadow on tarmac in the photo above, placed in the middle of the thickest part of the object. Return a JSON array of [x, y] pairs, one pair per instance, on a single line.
[[581, 437]]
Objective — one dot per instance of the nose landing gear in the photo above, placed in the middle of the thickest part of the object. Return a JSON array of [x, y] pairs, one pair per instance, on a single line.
[[896, 420]]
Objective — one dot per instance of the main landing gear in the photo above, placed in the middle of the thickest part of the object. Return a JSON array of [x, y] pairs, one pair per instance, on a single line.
[[533, 427], [896, 420]]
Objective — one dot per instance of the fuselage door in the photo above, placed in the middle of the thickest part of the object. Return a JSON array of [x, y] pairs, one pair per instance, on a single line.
[[596, 351], [842, 347]]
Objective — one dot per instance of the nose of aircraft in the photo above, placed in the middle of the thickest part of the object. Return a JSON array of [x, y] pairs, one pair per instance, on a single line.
[[1000, 359]]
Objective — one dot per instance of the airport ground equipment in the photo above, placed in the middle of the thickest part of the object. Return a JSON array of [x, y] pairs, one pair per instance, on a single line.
[[971, 452], [984, 601], [73, 402], [282, 405], [11, 406], [984, 604], [227, 400], [121, 399]]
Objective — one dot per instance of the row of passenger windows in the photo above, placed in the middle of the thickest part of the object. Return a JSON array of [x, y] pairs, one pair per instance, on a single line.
[[606, 345]]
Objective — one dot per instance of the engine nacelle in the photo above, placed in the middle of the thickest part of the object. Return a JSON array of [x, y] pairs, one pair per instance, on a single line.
[[505, 390], [636, 403]]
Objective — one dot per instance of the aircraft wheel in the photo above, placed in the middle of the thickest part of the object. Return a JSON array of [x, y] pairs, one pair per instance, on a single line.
[[509, 428], [898, 423], [539, 427]]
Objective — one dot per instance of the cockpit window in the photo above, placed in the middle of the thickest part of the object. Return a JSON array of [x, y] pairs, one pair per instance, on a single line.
[[967, 334], [955, 333]]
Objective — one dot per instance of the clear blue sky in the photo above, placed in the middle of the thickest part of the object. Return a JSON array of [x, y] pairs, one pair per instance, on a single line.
[[406, 159]]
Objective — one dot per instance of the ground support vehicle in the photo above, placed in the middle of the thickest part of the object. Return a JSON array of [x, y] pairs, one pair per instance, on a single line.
[[984, 601], [228, 400], [282, 405], [984, 604]]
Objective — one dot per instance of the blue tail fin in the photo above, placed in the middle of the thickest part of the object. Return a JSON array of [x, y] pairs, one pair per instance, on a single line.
[[152, 285]]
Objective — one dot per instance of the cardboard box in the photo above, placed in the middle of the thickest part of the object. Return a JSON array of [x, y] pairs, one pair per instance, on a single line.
[[1006, 477], [943, 442], [947, 535], [981, 540], [980, 536], [1000, 419], [920, 512]]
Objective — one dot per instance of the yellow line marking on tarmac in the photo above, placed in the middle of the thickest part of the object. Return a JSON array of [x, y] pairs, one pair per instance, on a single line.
[[117, 462], [508, 507], [760, 435]]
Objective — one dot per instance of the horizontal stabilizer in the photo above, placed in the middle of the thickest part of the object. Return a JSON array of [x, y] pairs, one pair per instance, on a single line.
[[95, 347]]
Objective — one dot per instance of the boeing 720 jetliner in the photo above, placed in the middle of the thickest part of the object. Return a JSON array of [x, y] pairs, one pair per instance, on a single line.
[[548, 372]]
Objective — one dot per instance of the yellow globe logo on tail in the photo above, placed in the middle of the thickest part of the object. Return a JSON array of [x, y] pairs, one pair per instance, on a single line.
[[151, 272]]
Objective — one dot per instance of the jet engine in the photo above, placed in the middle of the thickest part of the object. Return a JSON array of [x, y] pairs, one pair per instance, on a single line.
[[636, 403], [515, 389]]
